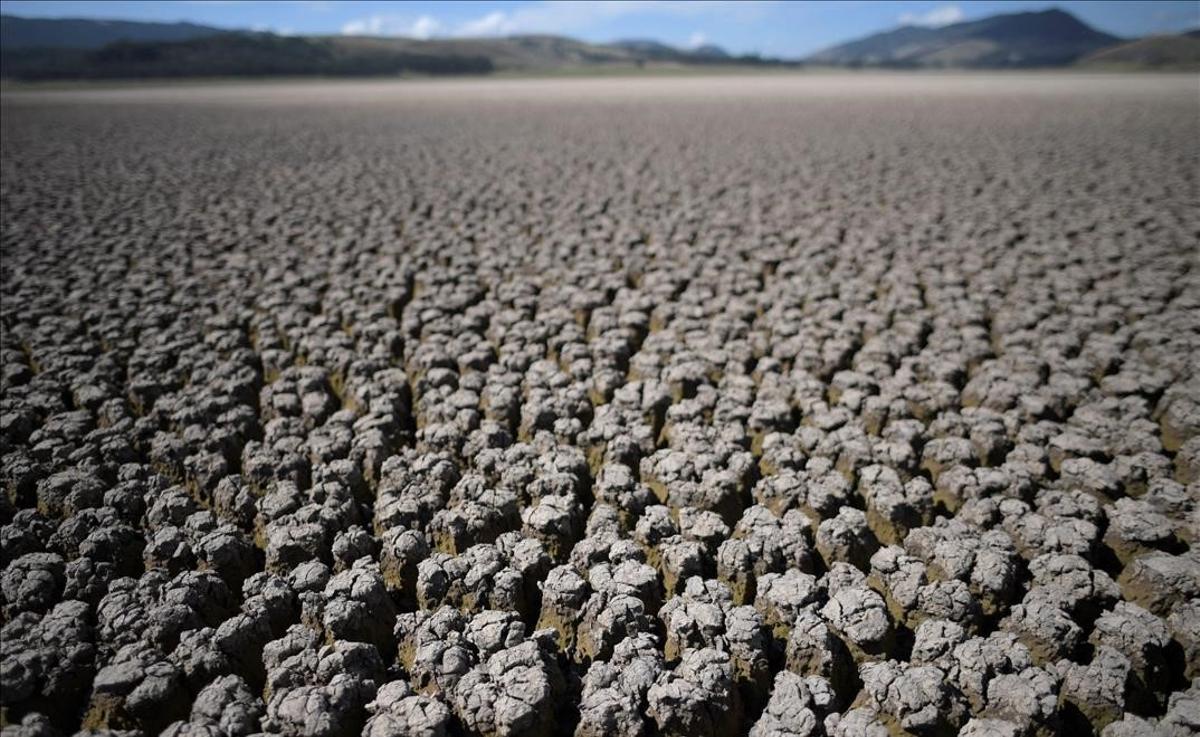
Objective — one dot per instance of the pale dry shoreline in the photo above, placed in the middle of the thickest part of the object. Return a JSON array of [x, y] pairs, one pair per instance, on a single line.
[[732, 85]]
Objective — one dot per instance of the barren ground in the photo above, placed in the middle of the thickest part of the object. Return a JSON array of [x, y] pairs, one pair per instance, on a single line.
[[783, 404]]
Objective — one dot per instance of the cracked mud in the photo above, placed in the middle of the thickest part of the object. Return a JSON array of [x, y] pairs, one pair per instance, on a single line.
[[781, 406]]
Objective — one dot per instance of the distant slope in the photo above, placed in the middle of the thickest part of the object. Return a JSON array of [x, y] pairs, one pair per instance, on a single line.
[[1046, 38], [711, 51], [235, 55], [545, 52], [263, 54], [646, 48], [1180, 51], [531, 52], [83, 33], [649, 50]]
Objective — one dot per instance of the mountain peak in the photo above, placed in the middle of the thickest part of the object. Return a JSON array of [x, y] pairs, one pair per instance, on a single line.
[[1026, 39]]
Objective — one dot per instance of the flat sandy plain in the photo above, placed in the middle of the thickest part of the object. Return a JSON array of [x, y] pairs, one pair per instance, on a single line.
[[782, 404]]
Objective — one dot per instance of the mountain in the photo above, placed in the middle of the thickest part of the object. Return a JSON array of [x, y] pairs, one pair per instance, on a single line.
[[649, 50], [72, 48], [1181, 51], [1038, 39], [217, 53], [646, 48], [237, 55], [511, 53], [84, 33], [711, 51]]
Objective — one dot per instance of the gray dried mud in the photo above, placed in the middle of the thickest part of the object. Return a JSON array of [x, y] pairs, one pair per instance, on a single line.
[[778, 405]]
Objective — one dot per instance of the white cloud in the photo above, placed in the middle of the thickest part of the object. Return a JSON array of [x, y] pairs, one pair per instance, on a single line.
[[280, 31], [941, 16], [423, 27], [697, 40], [363, 26], [492, 24], [550, 16], [319, 6], [561, 16], [426, 27]]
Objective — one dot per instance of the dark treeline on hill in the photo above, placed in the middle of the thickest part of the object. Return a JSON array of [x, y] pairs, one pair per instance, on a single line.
[[230, 54], [91, 33]]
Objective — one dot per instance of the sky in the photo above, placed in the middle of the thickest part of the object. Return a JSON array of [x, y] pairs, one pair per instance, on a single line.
[[772, 28]]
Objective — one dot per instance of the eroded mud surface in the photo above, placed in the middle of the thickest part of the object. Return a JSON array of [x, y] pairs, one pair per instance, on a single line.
[[781, 406]]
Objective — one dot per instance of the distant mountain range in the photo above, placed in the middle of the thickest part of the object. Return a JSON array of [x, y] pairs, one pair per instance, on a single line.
[[1042, 39], [73, 48], [84, 33], [90, 49]]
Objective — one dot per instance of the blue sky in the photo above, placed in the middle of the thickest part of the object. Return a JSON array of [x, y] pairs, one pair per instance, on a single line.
[[772, 28]]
